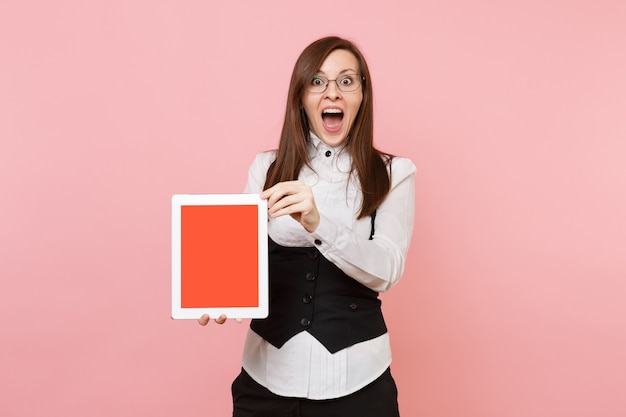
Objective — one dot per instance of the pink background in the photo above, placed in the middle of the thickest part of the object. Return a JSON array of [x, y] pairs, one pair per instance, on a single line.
[[514, 299]]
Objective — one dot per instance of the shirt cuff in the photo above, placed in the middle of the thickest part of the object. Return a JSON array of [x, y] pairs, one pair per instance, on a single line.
[[325, 235]]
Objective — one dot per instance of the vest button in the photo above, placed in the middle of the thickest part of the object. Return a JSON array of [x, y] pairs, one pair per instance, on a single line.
[[310, 276], [313, 254], [353, 306], [305, 322], [307, 299]]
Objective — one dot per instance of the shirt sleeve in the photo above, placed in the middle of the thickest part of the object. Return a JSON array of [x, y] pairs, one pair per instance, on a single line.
[[377, 263]]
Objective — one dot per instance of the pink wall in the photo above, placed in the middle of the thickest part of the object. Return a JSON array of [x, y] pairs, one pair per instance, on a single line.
[[513, 303]]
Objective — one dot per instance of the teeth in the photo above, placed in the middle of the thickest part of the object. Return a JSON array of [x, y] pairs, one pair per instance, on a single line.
[[335, 111]]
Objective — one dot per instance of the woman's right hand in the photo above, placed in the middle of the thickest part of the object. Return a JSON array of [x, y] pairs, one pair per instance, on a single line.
[[205, 319]]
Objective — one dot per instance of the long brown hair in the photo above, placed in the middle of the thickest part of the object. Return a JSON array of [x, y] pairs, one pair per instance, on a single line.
[[369, 164]]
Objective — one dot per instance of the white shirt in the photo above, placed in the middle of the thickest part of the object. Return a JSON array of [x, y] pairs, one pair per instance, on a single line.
[[303, 367]]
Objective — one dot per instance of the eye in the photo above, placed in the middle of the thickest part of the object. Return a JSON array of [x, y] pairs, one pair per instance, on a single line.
[[317, 81], [347, 80]]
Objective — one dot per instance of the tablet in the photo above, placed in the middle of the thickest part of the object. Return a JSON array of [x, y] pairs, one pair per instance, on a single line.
[[219, 256]]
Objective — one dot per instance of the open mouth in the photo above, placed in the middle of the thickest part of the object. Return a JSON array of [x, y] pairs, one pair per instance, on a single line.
[[332, 118]]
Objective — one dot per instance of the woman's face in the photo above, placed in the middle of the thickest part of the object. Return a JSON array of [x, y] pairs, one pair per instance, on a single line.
[[332, 112]]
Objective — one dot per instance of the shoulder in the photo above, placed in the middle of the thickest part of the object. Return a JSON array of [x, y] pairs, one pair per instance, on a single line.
[[400, 168], [400, 164], [263, 160], [258, 171]]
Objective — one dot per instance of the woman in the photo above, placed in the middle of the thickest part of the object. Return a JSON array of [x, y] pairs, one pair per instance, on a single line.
[[340, 223]]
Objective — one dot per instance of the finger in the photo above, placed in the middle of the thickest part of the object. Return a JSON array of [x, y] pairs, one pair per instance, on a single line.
[[280, 190], [275, 194], [297, 206], [297, 194], [287, 202], [281, 184], [204, 319], [274, 189], [221, 319]]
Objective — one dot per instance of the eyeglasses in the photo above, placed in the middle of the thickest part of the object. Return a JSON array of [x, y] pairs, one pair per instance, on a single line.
[[346, 83]]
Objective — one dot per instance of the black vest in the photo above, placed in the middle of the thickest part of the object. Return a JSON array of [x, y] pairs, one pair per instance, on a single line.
[[308, 292]]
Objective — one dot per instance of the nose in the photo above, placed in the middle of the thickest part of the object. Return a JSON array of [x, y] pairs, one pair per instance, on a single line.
[[332, 91]]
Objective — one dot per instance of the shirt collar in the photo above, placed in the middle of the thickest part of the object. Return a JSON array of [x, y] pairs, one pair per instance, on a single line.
[[317, 146]]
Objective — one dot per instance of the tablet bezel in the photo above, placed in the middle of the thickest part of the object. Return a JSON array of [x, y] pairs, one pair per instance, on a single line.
[[262, 307]]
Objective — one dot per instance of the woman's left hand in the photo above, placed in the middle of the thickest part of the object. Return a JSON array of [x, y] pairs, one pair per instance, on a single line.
[[296, 199]]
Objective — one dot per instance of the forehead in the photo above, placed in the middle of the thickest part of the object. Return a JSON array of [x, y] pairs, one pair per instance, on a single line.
[[338, 61]]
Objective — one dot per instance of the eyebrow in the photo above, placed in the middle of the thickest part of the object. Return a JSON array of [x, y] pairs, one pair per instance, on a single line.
[[320, 72]]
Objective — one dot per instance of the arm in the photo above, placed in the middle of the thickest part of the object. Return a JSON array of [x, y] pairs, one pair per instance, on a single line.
[[256, 179], [378, 263]]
